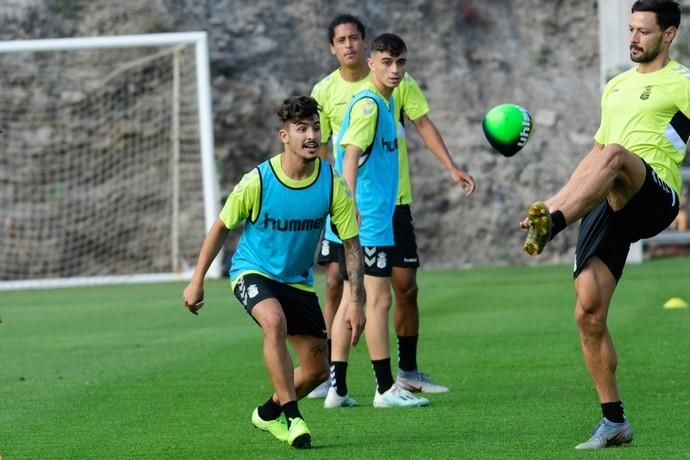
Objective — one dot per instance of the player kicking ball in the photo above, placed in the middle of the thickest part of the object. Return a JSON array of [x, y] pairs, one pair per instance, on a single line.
[[625, 189]]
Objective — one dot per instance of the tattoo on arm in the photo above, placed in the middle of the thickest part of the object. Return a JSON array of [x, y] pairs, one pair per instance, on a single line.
[[355, 268]]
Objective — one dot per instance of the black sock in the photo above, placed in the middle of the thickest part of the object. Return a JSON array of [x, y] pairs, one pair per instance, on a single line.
[[384, 376], [291, 410], [338, 377], [328, 342], [270, 410], [407, 353], [557, 223], [613, 411]]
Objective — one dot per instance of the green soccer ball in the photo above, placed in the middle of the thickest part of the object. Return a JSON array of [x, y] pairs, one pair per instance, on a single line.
[[508, 127]]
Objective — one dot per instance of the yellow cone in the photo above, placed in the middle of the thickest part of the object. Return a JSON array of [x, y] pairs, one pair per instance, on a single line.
[[675, 302]]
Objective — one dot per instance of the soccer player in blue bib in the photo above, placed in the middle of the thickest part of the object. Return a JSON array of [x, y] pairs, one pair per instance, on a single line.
[[368, 160], [626, 188], [347, 40], [284, 204]]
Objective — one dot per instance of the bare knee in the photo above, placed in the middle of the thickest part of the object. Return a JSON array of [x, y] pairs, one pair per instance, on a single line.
[[334, 284], [333, 280], [613, 156], [590, 318], [274, 327], [405, 286], [382, 302], [407, 292]]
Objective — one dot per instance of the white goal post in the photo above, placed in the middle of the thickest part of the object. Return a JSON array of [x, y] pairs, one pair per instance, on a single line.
[[107, 165]]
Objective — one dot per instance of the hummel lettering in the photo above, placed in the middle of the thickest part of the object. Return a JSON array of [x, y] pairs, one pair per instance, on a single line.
[[389, 146], [292, 225]]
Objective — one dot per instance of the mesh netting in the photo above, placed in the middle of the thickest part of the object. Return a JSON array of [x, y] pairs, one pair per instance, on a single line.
[[99, 149]]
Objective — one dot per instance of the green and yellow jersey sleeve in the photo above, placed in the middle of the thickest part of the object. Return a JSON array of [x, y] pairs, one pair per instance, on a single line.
[[243, 202], [410, 102], [343, 209], [409, 99], [333, 95], [649, 115], [363, 122]]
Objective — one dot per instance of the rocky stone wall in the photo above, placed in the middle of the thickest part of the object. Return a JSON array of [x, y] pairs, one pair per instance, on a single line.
[[468, 55]]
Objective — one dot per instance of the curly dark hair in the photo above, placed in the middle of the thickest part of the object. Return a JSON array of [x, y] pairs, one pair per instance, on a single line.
[[296, 108]]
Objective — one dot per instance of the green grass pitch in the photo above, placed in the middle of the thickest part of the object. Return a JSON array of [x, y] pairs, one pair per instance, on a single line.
[[126, 372]]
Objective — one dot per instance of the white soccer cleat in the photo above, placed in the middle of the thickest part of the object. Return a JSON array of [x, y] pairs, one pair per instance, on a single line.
[[320, 391], [334, 400], [419, 382], [609, 434], [396, 396]]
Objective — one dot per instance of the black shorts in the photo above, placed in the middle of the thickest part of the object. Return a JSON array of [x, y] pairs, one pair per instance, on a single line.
[[301, 308], [608, 234], [329, 252], [377, 262], [405, 251]]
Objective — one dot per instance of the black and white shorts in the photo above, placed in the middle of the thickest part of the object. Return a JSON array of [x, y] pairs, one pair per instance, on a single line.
[[405, 251], [329, 252], [608, 234], [403, 254], [301, 308], [377, 262]]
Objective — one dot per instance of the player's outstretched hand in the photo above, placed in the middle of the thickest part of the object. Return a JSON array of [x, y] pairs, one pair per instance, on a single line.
[[464, 180], [193, 298], [355, 321]]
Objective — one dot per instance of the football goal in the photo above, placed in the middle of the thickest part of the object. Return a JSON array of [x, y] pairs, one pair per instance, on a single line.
[[107, 169]]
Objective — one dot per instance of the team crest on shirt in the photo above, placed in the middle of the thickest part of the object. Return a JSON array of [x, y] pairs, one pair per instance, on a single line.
[[645, 94]]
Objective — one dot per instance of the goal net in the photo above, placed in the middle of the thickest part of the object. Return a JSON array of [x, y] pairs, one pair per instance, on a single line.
[[106, 159]]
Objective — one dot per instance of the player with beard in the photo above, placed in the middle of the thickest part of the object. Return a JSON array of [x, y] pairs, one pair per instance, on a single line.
[[626, 188]]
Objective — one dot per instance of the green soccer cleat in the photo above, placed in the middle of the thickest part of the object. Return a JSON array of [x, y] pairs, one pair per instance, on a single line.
[[299, 435], [609, 434], [539, 233], [277, 427]]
